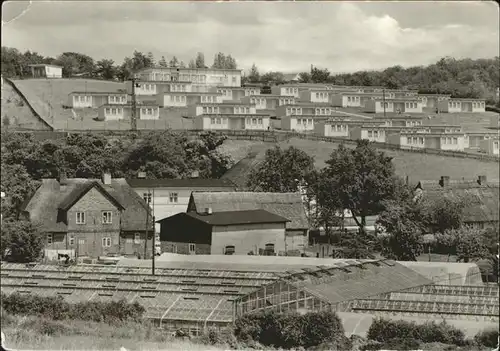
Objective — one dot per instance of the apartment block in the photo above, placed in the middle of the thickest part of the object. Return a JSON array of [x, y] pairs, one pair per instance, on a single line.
[[394, 105], [232, 122], [201, 76], [94, 99]]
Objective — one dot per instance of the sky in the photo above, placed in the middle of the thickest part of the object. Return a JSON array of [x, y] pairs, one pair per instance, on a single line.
[[282, 36]]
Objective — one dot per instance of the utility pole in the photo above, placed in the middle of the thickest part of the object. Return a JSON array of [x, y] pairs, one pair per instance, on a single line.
[[383, 98], [154, 250], [134, 105], [147, 225]]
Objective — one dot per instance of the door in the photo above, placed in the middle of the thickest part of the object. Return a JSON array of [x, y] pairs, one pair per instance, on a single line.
[[242, 121], [129, 244], [81, 247]]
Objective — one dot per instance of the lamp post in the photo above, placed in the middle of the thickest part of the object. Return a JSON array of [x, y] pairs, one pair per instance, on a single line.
[[1, 215]]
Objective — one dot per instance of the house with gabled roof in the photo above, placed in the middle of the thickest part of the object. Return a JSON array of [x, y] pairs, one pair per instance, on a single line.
[[287, 205], [257, 232], [91, 217], [481, 198]]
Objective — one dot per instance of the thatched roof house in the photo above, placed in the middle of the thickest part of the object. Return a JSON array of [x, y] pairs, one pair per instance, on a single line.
[[481, 198]]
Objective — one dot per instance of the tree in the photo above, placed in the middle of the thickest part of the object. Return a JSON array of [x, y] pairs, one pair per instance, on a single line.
[[75, 63], [200, 60], [106, 69], [151, 59], [126, 69], [174, 62], [69, 65], [361, 178], [273, 77], [222, 61], [404, 229], [18, 185], [182, 64], [254, 75], [443, 213], [319, 75], [304, 77], [281, 170], [21, 241], [163, 62], [470, 244]]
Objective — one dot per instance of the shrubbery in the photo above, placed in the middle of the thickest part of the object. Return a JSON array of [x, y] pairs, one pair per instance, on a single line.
[[387, 330], [56, 308], [292, 330], [487, 338]]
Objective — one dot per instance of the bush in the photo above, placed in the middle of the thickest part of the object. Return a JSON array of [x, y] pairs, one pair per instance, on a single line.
[[55, 308], [222, 337], [387, 330], [487, 338], [292, 330], [400, 344]]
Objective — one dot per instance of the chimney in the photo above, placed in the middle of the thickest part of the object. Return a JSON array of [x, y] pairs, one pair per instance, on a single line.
[[106, 178], [62, 178], [445, 181], [481, 180], [208, 210]]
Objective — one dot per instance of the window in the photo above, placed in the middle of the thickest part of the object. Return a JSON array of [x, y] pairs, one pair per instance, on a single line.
[[192, 248], [80, 218], [455, 141], [147, 197], [113, 111], [254, 121], [259, 120], [137, 238], [173, 197], [370, 134], [204, 110], [229, 250], [421, 140], [49, 239], [72, 239], [234, 80], [106, 242], [107, 110], [107, 217]]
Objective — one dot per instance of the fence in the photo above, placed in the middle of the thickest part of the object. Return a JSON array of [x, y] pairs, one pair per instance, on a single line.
[[273, 136]]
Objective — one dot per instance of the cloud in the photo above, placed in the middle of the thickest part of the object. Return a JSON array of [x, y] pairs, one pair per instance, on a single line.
[[285, 36]]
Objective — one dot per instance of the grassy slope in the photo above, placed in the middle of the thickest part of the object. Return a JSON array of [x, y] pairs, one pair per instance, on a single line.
[[47, 96], [414, 165], [17, 110]]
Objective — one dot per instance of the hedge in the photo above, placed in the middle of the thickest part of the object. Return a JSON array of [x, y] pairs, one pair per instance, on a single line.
[[487, 338], [55, 308], [386, 330], [291, 330]]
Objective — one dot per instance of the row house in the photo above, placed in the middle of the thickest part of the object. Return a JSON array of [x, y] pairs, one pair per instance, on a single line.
[[353, 99], [462, 105], [394, 105], [91, 217], [176, 99], [473, 139], [406, 121], [268, 101], [144, 111], [202, 76], [306, 108], [432, 140], [369, 132], [225, 108], [232, 122], [286, 90], [315, 96], [93, 99], [445, 128], [298, 123], [432, 100], [489, 146], [235, 93], [152, 88], [342, 127]]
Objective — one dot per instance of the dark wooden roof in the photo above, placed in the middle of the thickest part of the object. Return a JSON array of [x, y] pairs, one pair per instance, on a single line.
[[181, 183], [232, 217]]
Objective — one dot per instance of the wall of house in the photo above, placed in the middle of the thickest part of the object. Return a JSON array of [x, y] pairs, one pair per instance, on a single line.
[[413, 141], [248, 237], [319, 97], [81, 101], [182, 230], [452, 142], [216, 123], [258, 101], [149, 112], [53, 72], [295, 241], [146, 89], [489, 146], [285, 91], [174, 100], [286, 101], [336, 100], [89, 236], [257, 123], [109, 113], [297, 123], [183, 248], [133, 243], [373, 134], [337, 130]]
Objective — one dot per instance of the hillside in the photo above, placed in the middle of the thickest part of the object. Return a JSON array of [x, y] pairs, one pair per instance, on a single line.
[[48, 96], [415, 166]]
